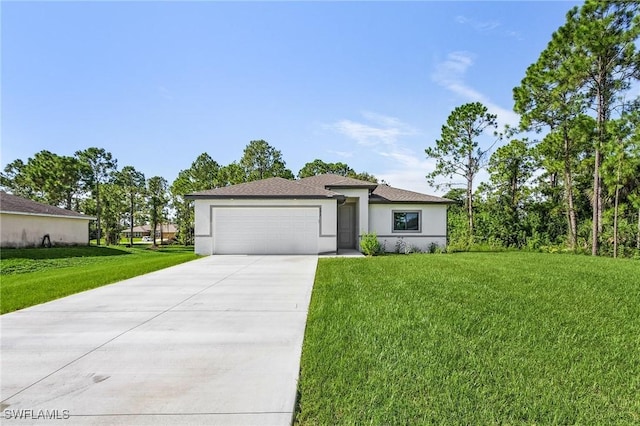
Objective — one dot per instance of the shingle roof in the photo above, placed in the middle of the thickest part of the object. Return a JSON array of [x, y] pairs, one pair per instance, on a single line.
[[316, 187], [386, 194], [336, 181], [166, 227], [10, 203], [274, 187], [382, 193]]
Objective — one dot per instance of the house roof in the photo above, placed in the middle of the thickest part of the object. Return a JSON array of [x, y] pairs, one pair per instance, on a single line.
[[320, 186], [10, 203], [336, 181], [275, 187], [387, 194], [381, 193], [166, 227]]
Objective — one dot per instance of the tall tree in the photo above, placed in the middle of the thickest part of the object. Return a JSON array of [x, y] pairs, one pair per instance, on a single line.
[[547, 96], [603, 36], [100, 164], [204, 173], [318, 167], [364, 176], [562, 152], [621, 166], [510, 168], [46, 177], [114, 207], [260, 161], [14, 180], [231, 174], [457, 152], [133, 184], [157, 199]]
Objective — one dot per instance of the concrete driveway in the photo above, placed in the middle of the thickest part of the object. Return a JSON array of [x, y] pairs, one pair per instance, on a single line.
[[213, 341]]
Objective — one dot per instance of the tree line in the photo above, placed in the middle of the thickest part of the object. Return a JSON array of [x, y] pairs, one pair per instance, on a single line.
[[91, 183], [577, 187], [573, 186]]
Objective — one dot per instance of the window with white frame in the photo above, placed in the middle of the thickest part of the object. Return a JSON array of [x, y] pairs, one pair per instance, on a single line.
[[406, 221]]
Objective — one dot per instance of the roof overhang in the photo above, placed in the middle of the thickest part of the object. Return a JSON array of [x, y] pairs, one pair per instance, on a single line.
[[445, 203], [263, 197], [338, 186], [58, 216]]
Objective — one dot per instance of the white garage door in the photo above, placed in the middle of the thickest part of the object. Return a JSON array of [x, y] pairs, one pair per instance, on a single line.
[[266, 230]]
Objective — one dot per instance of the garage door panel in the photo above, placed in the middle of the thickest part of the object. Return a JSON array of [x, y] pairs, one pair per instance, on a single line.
[[266, 230]]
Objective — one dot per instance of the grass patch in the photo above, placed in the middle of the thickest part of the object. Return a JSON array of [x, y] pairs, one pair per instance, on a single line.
[[473, 338], [33, 276]]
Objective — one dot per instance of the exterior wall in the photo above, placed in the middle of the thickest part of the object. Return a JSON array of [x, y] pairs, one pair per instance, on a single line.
[[25, 230], [433, 225], [204, 238]]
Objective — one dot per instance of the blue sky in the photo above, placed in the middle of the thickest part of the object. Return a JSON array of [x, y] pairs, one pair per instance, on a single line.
[[158, 83]]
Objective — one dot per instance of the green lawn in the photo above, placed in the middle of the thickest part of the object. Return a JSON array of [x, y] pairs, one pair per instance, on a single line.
[[32, 276], [473, 338]]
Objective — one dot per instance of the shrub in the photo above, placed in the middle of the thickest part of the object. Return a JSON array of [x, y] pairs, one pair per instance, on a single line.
[[370, 245]]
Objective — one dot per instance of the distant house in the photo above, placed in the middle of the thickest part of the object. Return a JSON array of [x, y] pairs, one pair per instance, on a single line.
[[166, 230], [25, 223], [319, 214]]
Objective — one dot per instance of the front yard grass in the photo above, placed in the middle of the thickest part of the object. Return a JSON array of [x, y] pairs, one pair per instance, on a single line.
[[32, 276], [473, 338]]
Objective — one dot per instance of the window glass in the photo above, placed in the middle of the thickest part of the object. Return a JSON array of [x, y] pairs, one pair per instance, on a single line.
[[406, 221]]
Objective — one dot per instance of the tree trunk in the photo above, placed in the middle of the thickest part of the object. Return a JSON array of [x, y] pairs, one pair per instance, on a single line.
[[596, 204], [568, 190], [615, 221], [98, 213], [470, 210], [616, 204], [131, 223], [470, 194], [597, 197], [155, 226], [638, 234]]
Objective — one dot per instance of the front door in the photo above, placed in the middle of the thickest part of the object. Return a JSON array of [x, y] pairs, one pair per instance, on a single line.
[[347, 226]]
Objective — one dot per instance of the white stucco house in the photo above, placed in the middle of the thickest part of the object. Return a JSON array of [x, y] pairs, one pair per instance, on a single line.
[[319, 214], [24, 223]]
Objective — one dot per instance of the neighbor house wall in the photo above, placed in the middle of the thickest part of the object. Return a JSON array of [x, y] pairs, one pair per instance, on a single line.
[[28, 230], [433, 225], [204, 238]]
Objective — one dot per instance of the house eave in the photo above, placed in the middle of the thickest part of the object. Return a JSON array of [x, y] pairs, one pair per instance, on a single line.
[[263, 197], [60, 216], [374, 201], [338, 186]]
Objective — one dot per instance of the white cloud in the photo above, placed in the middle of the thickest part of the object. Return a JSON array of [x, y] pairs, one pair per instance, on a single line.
[[450, 74], [383, 135], [165, 93], [486, 26], [407, 170], [343, 154], [481, 26], [381, 129]]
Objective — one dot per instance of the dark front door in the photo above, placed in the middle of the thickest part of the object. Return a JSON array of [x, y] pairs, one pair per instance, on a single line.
[[347, 226]]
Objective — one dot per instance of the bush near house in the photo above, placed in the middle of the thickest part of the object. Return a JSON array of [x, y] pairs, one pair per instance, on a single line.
[[370, 245], [473, 338]]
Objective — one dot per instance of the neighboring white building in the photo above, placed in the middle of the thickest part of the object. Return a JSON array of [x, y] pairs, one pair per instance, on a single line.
[[318, 214], [24, 223]]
